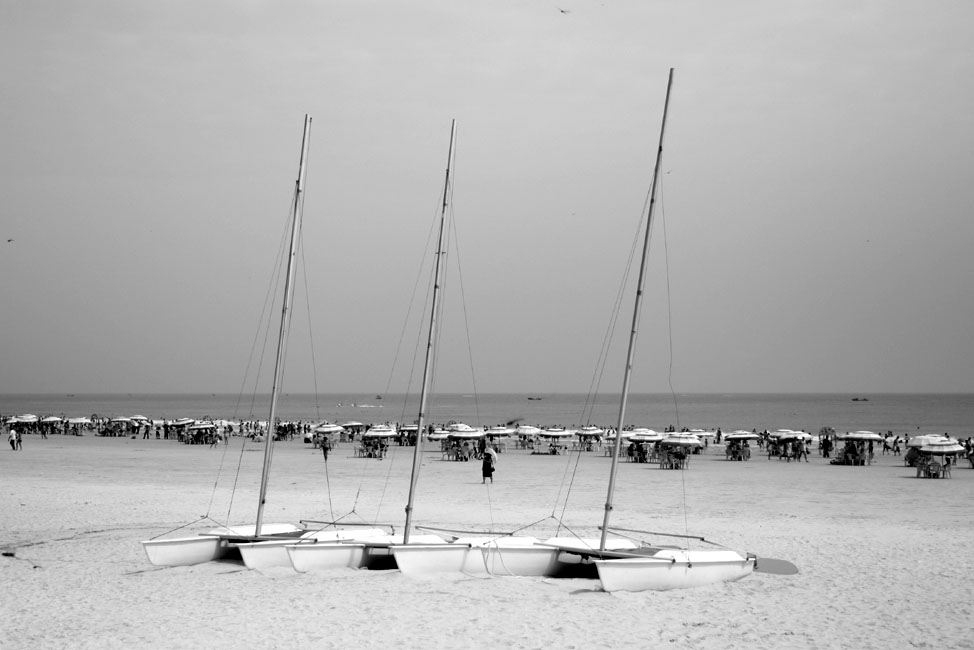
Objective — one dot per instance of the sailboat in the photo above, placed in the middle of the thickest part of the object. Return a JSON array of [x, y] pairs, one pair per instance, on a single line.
[[379, 550], [223, 542], [648, 567], [480, 553]]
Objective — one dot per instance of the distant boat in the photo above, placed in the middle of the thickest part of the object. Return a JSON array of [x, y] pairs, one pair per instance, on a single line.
[[860, 399], [378, 396], [534, 399]]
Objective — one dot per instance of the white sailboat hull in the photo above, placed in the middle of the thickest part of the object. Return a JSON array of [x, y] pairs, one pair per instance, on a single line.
[[185, 551], [206, 547], [673, 569], [502, 556], [324, 556], [525, 561], [273, 553], [430, 559], [266, 554]]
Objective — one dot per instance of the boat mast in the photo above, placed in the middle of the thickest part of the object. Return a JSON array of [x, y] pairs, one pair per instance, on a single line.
[[617, 447], [285, 318], [430, 343]]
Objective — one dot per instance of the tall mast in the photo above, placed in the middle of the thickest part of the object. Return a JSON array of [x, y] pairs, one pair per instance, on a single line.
[[430, 343], [617, 447], [285, 318]]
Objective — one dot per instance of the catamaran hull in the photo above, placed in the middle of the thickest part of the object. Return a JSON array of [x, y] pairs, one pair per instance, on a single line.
[[505, 556], [274, 553], [324, 556], [185, 551], [673, 570], [216, 544], [429, 559], [266, 554], [513, 561]]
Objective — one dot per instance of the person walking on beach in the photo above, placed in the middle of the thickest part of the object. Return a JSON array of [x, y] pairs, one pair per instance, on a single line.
[[12, 439], [325, 446], [487, 468]]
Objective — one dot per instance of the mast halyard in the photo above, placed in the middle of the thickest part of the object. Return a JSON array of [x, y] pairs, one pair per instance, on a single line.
[[285, 319], [431, 340], [617, 447]]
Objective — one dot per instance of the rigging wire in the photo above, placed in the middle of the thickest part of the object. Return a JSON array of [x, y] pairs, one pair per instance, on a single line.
[[669, 328], [311, 338], [420, 273], [669, 308], [466, 319], [263, 322], [571, 469]]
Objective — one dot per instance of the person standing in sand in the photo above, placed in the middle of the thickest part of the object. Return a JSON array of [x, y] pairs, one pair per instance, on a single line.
[[12, 439], [487, 468]]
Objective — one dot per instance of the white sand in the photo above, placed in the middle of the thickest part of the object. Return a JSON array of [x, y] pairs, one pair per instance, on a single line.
[[886, 559]]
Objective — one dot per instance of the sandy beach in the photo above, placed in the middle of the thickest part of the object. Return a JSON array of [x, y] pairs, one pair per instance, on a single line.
[[885, 558]]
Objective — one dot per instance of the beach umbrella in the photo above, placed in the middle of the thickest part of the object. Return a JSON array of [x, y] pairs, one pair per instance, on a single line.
[[51, 418], [527, 430], [121, 419], [493, 453], [182, 422], [466, 435], [556, 433], [920, 441], [380, 432], [202, 425], [328, 427], [79, 421], [866, 436], [26, 418], [644, 435], [793, 435], [943, 447], [682, 440], [741, 435], [499, 431]]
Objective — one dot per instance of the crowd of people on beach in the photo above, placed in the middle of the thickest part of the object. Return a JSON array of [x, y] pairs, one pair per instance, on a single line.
[[784, 445]]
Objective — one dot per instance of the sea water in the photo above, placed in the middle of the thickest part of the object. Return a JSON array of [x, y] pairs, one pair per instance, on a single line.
[[904, 414]]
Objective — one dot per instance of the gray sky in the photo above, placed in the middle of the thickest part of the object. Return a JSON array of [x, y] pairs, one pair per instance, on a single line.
[[817, 195]]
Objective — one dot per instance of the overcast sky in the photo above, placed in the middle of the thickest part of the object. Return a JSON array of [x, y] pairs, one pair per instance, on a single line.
[[817, 195]]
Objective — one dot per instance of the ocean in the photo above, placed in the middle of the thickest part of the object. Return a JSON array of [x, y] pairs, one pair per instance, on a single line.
[[908, 414]]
